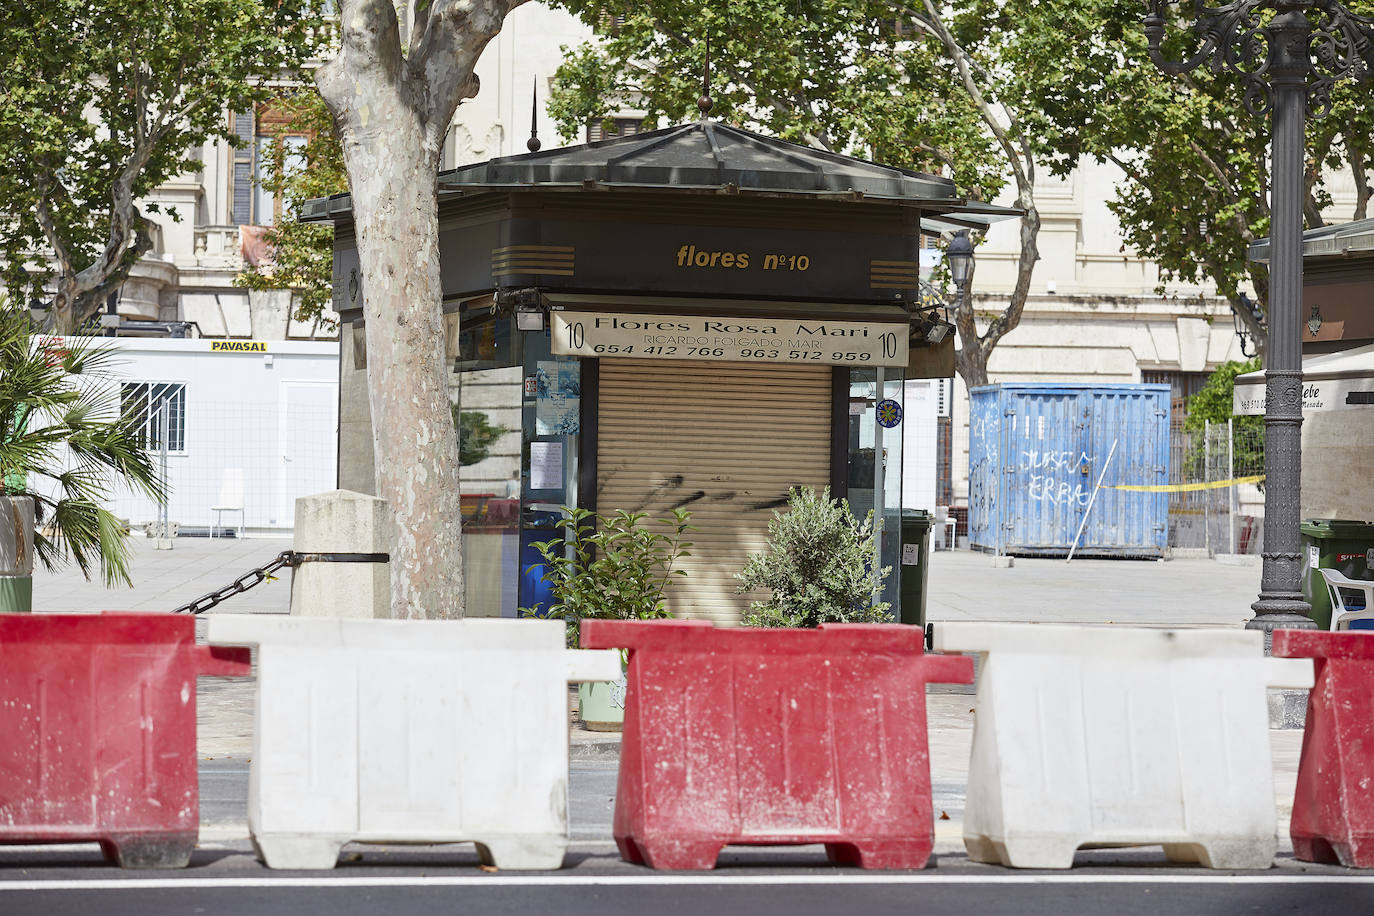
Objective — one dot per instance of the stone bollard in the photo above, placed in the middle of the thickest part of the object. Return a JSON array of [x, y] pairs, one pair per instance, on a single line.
[[16, 554], [341, 521]]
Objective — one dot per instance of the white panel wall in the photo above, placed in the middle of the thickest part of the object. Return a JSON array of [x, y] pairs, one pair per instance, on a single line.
[[273, 415]]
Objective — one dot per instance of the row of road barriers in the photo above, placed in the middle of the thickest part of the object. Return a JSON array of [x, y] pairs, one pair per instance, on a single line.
[[455, 731]]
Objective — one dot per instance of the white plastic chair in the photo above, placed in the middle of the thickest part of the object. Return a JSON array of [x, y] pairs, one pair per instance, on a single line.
[[945, 528], [230, 498], [1344, 615]]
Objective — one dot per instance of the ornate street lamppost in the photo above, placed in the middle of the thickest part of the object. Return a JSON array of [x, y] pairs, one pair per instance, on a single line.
[[959, 254], [1288, 66]]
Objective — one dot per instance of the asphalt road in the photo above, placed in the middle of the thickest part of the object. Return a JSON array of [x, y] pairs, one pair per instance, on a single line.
[[225, 878], [783, 882], [591, 797]]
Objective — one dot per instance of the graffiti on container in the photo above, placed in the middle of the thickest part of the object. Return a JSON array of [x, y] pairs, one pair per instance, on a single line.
[[982, 477], [1057, 492], [1058, 481], [1063, 460]]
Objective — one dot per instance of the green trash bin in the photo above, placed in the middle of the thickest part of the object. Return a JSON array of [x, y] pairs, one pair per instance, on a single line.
[[916, 525], [1333, 543]]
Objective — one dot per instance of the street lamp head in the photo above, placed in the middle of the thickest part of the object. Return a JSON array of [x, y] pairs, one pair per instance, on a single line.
[[959, 253], [1243, 337], [1314, 320], [1154, 26]]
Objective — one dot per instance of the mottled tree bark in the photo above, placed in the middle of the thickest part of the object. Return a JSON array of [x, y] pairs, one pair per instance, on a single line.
[[392, 106]]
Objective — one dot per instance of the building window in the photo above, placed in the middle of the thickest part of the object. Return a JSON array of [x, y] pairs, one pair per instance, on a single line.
[[273, 154], [619, 127], [267, 145], [1182, 385], [158, 409], [241, 181]]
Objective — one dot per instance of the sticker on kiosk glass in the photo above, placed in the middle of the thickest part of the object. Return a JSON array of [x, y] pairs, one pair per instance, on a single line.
[[889, 413]]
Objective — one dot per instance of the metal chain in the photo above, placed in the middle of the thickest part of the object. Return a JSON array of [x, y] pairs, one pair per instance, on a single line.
[[285, 558], [239, 585]]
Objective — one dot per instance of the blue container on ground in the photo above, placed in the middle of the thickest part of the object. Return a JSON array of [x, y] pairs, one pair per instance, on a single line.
[[1036, 452]]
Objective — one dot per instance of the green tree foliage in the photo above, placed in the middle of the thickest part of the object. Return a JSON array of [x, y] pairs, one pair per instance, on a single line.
[[302, 253], [612, 567], [818, 565], [65, 441], [819, 72], [1195, 193], [101, 101], [914, 85], [1213, 403]]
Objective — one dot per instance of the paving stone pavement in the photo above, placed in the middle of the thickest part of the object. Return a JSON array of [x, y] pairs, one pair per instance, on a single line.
[[962, 586]]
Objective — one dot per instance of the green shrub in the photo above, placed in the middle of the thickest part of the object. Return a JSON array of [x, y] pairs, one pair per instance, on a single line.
[[819, 566], [618, 569]]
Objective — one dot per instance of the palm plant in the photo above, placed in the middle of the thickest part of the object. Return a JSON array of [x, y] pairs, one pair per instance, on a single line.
[[65, 442]]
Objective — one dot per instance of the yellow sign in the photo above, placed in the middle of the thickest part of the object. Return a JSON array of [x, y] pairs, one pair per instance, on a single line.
[[1188, 487], [238, 346]]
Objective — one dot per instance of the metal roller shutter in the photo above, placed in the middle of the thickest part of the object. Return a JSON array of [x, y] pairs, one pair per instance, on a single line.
[[723, 439]]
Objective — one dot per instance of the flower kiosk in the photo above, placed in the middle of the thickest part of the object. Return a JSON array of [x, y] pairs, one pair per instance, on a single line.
[[694, 317]]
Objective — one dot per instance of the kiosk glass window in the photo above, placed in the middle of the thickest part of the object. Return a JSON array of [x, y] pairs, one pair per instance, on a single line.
[[552, 426], [486, 398], [875, 466]]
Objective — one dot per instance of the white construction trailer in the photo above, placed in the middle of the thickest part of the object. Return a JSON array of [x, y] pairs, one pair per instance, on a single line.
[[249, 426]]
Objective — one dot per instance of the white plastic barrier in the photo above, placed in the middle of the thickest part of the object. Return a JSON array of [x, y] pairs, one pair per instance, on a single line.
[[1090, 736], [409, 731]]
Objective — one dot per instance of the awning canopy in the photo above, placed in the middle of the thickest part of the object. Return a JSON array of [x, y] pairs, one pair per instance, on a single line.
[[1345, 239], [1332, 381]]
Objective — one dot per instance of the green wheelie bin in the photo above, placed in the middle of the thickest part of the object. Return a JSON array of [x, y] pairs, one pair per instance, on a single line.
[[916, 525], [1333, 543]]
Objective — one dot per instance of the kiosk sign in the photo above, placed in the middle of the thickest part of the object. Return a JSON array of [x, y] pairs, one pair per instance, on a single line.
[[735, 339]]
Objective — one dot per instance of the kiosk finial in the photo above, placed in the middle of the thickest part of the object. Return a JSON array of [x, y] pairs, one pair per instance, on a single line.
[[533, 144], [704, 103]]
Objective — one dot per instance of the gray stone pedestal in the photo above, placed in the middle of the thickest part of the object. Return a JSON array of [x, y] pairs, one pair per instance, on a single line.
[[341, 521]]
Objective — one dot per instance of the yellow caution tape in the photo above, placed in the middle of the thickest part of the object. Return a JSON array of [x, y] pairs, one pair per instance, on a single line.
[[1188, 487]]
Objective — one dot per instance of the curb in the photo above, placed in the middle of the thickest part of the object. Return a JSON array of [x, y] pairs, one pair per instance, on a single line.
[[586, 745]]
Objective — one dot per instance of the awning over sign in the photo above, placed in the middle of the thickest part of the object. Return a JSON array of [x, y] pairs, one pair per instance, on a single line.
[[1332, 381]]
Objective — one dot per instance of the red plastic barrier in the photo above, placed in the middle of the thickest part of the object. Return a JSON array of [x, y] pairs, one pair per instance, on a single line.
[[769, 737], [1333, 808], [98, 732]]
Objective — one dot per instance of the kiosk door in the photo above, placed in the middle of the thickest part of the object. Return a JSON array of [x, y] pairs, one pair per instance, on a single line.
[[725, 440]]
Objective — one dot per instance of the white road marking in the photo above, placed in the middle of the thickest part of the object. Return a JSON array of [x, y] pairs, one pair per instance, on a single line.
[[647, 880]]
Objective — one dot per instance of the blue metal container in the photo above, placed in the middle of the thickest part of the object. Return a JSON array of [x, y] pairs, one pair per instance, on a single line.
[[1036, 453]]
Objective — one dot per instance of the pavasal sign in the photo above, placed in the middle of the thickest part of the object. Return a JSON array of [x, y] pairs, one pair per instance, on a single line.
[[238, 346]]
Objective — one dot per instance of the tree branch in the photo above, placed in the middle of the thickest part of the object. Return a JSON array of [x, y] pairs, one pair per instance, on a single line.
[[1132, 171], [61, 254], [1361, 175], [1022, 170], [442, 58], [1227, 189], [1017, 153], [1312, 213], [369, 41]]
